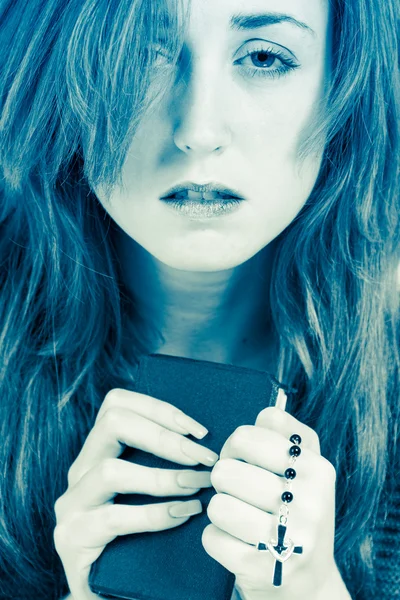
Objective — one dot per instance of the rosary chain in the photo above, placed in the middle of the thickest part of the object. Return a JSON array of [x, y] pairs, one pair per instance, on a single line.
[[284, 509]]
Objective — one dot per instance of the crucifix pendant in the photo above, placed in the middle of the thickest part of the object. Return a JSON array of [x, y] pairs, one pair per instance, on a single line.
[[280, 552]]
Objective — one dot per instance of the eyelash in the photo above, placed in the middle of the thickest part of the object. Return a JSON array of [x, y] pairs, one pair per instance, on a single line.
[[288, 64]]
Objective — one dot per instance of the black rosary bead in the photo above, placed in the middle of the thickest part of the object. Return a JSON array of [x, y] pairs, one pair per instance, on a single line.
[[295, 451], [287, 497], [295, 438], [290, 473]]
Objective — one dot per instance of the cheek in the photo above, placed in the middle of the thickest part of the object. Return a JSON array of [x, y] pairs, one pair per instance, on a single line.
[[270, 148], [277, 120], [143, 162], [284, 187]]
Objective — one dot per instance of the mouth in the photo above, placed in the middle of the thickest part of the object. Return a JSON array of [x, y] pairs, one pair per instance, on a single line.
[[201, 193]]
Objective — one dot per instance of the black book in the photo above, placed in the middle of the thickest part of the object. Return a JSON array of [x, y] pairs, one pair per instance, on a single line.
[[172, 564]]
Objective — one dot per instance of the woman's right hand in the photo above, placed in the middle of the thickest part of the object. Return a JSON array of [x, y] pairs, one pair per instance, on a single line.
[[87, 518]]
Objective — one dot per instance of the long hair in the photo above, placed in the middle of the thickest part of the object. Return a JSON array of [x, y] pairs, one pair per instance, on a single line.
[[73, 89]]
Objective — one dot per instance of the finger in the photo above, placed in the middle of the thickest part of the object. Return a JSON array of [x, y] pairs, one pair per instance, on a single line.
[[250, 524], [282, 422], [237, 557], [81, 539], [88, 530], [269, 450], [245, 561], [241, 520], [119, 427], [249, 483], [78, 585], [314, 496], [155, 410], [115, 476]]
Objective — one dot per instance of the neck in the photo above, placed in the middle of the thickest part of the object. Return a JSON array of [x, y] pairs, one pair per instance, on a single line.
[[221, 316]]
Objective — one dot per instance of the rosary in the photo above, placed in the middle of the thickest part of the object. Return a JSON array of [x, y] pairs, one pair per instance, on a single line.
[[283, 547]]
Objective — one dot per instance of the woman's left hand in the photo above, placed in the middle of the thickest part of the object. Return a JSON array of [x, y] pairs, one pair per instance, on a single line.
[[249, 480]]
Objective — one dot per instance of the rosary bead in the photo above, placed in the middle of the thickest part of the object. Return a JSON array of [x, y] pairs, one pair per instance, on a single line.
[[295, 451], [295, 438], [287, 496], [290, 473]]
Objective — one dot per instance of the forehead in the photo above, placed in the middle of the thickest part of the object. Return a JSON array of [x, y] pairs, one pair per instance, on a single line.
[[223, 10], [216, 17]]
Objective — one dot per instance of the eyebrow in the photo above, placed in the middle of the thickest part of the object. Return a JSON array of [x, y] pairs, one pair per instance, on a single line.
[[242, 22]]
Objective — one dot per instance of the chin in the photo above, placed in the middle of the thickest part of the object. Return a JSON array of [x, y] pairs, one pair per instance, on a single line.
[[202, 266], [204, 260]]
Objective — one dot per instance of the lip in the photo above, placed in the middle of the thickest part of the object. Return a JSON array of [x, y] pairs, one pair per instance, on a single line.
[[203, 211], [201, 189]]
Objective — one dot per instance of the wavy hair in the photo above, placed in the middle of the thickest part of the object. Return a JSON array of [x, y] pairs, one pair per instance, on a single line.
[[73, 89]]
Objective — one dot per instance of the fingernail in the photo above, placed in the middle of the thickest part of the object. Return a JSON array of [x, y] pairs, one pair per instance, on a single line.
[[199, 453], [186, 509], [194, 479], [191, 425]]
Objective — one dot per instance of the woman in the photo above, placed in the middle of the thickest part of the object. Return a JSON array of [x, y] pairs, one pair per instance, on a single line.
[[105, 108]]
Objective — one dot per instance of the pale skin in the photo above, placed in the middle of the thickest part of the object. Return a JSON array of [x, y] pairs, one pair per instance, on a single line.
[[204, 287]]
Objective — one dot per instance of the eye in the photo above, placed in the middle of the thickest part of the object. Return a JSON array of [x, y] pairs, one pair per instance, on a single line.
[[267, 62], [158, 56]]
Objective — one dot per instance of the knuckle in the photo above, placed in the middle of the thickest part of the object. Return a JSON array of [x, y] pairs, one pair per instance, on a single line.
[[313, 437], [107, 471], [330, 471], [159, 480], [164, 439], [61, 536], [72, 475], [207, 535], [58, 507], [316, 441], [155, 517], [217, 473], [111, 397], [240, 434], [110, 520], [271, 417], [243, 429], [155, 408], [220, 470], [214, 506], [112, 418]]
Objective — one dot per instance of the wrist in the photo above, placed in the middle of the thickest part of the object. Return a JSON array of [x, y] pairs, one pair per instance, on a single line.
[[334, 587]]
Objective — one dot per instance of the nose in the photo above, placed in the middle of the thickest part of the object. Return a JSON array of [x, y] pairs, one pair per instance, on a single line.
[[202, 126]]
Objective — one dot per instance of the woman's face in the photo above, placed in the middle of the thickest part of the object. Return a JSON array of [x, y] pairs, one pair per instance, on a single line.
[[243, 98]]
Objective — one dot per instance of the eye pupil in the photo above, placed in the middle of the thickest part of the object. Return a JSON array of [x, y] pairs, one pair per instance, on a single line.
[[265, 57]]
